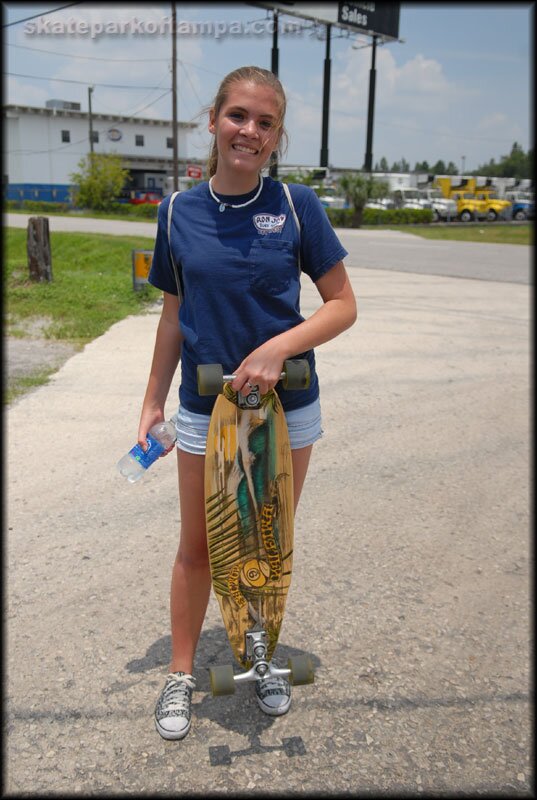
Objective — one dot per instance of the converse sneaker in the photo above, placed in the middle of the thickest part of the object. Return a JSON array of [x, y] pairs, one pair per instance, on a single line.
[[172, 714], [273, 695]]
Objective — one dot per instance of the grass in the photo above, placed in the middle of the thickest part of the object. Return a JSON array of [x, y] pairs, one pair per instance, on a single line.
[[91, 289], [488, 233], [91, 285], [19, 385], [127, 216]]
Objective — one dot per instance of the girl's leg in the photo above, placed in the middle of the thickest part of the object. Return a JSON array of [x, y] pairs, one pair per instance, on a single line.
[[301, 460], [191, 579]]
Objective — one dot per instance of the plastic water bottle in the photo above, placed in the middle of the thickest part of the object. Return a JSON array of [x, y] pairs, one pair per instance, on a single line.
[[159, 438]]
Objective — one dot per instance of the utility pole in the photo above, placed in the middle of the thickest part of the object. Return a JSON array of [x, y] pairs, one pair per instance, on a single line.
[[90, 90], [274, 57], [174, 101], [326, 100], [371, 111]]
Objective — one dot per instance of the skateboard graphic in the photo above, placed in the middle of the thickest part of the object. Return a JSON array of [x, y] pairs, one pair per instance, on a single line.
[[249, 511]]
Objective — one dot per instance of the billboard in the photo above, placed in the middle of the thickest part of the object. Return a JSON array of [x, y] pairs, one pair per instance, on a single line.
[[374, 19]]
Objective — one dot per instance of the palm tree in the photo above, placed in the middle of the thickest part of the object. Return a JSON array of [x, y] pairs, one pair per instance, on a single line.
[[358, 189], [356, 193]]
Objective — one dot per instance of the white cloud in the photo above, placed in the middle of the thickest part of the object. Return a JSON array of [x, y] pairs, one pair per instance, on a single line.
[[491, 122]]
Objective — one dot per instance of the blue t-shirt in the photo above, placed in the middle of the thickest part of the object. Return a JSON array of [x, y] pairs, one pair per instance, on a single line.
[[240, 276]]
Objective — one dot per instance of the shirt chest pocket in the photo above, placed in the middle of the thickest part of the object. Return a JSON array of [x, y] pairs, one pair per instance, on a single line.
[[273, 266]]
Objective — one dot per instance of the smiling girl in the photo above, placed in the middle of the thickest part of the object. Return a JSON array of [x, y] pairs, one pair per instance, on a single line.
[[228, 260]]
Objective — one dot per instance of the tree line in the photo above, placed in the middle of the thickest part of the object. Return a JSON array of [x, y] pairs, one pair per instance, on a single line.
[[517, 164]]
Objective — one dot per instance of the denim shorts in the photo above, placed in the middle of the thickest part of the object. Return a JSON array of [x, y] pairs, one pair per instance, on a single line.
[[304, 426]]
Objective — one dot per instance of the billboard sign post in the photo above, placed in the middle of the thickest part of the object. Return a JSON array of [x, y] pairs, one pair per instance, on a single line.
[[378, 20]]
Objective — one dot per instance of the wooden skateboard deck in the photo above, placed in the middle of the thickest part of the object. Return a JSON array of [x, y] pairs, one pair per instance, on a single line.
[[249, 512]]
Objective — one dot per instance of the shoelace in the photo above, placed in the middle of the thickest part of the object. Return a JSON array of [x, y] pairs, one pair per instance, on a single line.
[[177, 696], [272, 682]]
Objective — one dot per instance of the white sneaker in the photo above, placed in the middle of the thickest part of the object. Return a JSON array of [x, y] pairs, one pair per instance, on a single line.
[[273, 695], [172, 713]]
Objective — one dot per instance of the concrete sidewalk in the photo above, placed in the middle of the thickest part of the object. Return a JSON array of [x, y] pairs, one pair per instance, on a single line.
[[410, 589]]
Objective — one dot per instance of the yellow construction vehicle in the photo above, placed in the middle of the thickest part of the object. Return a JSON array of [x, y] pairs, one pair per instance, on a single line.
[[469, 207], [496, 208]]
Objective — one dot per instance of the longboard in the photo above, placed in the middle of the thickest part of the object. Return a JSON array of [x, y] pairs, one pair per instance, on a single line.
[[249, 507], [249, 512]]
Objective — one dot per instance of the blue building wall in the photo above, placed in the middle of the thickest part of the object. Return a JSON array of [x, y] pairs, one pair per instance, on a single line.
[[52, 192]]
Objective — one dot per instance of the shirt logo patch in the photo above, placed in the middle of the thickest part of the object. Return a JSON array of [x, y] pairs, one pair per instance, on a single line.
[[269, 223]]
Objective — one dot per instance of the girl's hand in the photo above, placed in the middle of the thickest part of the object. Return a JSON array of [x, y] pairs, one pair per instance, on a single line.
[[262, 368], [149, 418]]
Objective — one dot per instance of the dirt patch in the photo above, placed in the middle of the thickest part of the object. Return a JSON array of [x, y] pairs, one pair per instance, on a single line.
[[31, 356], [25, 357]]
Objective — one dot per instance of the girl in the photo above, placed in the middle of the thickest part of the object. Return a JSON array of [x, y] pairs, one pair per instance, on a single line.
[[227, 260]]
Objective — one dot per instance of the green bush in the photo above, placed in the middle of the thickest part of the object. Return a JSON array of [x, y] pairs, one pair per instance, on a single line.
[[146, 211], [343, 217], [100, 178], [340, 217], [397, 216], [141, 211], [39, 206]]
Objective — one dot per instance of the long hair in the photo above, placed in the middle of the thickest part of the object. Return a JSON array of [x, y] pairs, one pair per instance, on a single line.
[[261, 77]]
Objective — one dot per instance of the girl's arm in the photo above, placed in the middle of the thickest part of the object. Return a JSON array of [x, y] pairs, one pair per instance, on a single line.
[[166, 355], [264, 365]]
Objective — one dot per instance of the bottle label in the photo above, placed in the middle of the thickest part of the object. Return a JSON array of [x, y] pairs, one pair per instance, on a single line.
[[154, 450]]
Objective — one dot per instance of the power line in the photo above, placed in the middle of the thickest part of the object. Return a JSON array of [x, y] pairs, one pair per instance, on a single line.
[[190, 82], [83, 83], [85, 58], [114, 60], [35, 16], [139, 111]]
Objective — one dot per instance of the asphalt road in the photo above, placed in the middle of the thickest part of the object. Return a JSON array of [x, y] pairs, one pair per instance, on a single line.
[[412, 558], [384, 249]]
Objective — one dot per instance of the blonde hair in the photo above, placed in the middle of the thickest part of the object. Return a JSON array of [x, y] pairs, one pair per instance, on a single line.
[[261, 77]]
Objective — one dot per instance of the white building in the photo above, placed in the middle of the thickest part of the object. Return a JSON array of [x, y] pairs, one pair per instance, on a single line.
[[45, 145]]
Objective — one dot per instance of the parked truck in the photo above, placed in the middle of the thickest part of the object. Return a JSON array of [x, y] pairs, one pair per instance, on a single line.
[[444, 209], [522, 205], [496, 207], [519, 192], [461, 190], [408, 198]]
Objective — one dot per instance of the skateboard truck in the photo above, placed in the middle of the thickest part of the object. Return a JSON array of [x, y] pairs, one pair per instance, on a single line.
[[256, 650], [211, 379], [253, 398], [299, 670]]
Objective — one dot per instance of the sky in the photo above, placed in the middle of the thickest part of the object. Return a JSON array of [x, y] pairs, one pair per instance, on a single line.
[[456, 87]]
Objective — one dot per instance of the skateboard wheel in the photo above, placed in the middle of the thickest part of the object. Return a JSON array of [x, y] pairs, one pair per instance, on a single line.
[[301, 670], [297, 374], [210, 379], [222, 680]]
